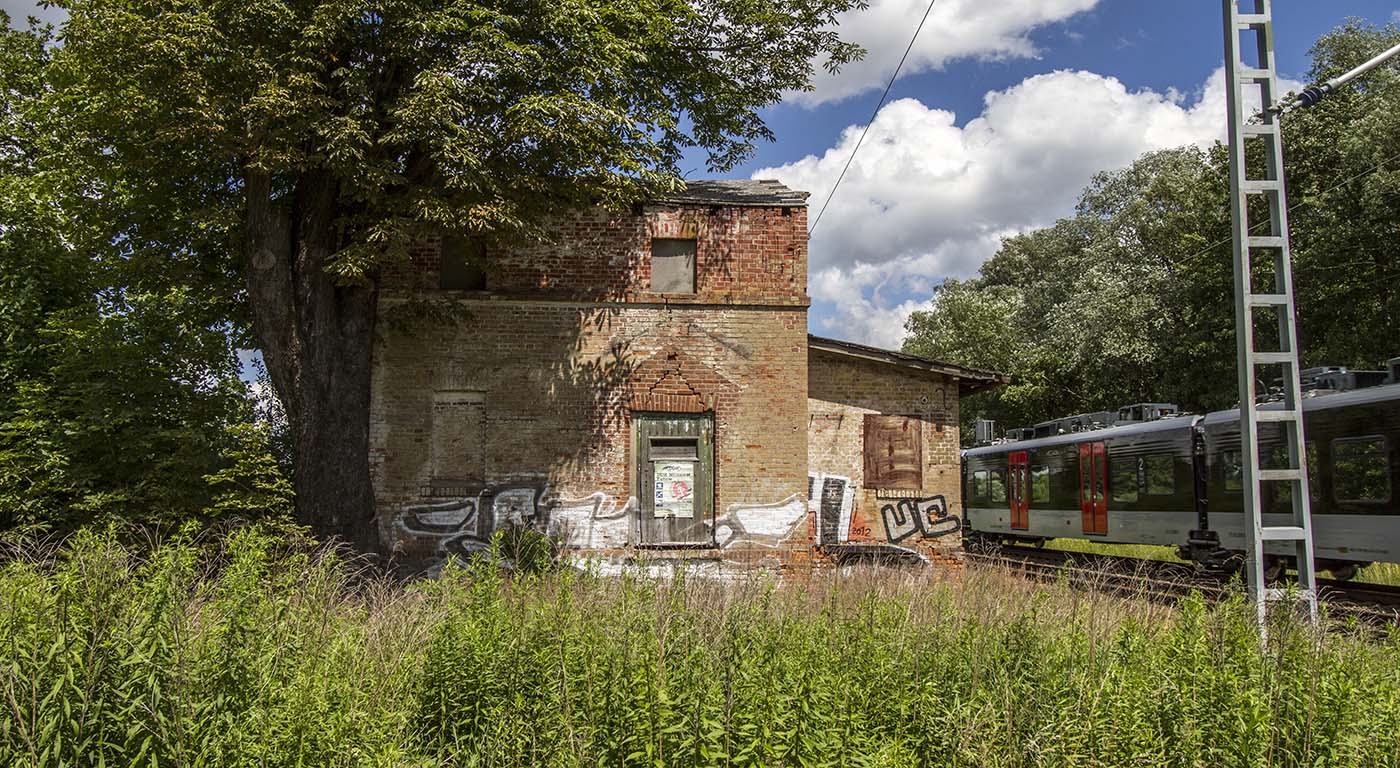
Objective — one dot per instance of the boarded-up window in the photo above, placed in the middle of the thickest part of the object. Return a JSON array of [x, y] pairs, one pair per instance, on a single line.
[[462, 265], [458, 457], [672, 265], [893, 452]]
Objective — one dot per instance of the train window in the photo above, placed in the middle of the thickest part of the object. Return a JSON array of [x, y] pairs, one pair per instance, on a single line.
[[979, 484], [1233, 469], [1360, 469], [1123, 478], [1161, 475], [1282, 493], [1040, 483], [997, 485]]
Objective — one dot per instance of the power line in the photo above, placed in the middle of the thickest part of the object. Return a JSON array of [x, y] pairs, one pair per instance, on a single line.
[[1300, 204], [873, 115]]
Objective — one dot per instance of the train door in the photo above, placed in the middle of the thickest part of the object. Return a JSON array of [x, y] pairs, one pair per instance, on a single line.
[[1093, 486], [1018, 489]]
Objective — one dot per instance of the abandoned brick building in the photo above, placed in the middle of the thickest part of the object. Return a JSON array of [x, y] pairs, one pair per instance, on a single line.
[[645, 385]]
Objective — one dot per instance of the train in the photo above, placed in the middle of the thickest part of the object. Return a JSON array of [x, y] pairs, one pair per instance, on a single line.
[[1150, 474]]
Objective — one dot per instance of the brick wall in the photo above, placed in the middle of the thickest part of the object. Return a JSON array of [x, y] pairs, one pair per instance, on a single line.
[[744, 256], [841, 391], [543, 372]]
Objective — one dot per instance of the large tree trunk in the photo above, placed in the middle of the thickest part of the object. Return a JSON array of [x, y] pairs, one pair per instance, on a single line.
[[316, 340]]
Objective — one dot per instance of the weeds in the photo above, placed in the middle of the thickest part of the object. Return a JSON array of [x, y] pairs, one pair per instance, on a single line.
[[253, 652]]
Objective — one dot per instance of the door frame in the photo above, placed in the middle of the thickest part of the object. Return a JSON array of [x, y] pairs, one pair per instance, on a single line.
[[1093, 488], [1018, 489], [674, 532]]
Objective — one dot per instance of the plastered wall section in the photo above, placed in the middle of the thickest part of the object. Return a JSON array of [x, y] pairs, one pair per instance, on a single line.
[[926, 521], [539, 377]]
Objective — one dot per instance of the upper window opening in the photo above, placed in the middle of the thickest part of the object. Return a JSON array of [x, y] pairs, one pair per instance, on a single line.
[[672, 265], [461, 266]]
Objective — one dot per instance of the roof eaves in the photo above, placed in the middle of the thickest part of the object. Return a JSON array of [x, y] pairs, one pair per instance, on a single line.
[[969, 379]]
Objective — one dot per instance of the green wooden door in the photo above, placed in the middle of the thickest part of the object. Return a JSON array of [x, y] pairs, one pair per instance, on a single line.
[[675, 471]]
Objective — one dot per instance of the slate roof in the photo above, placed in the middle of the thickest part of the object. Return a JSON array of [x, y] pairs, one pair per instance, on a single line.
[[969, 379], [744, 192]]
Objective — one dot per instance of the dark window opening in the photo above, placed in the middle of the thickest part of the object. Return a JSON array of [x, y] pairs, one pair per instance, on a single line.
[[672, 265], [1360, 469], [997, 485], [979, 484], [1232, 467], [1123, 481], [1161, 475], [462, 265]]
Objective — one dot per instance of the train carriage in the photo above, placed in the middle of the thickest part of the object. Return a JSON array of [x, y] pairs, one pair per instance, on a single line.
[[1153, 477], [1125, 484]]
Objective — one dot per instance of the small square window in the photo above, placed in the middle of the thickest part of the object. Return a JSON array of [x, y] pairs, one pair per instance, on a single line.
[[461, 265], [672, 265]]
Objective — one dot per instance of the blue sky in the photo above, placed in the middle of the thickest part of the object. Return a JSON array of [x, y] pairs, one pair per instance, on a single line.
[[1003, 112]]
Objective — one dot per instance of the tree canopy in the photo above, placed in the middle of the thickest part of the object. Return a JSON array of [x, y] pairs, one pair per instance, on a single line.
[[242, 170]]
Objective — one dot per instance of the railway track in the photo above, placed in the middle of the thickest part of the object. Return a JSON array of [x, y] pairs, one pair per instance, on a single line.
[[1169, 582]]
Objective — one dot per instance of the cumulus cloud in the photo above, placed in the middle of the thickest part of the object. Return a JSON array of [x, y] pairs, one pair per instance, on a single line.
[[956, 29], [927, 199]]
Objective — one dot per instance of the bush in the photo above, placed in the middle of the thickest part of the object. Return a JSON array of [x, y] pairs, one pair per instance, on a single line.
[[250, 650]]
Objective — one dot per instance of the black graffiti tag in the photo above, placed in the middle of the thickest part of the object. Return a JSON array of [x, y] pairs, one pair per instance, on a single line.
[[928, 517]]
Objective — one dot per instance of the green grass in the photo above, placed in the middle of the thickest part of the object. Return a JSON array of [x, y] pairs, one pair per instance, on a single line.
[[1377, 573], [1140, 551], [251, 651]]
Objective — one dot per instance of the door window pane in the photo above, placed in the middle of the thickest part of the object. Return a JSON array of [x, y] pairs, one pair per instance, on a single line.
[[1040, 483], [1360, 470]]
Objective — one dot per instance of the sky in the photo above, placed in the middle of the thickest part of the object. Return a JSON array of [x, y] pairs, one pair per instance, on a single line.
[[1001, 115]]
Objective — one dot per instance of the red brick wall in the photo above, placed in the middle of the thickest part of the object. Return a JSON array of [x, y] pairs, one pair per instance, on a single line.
[[755, 256], [563, 348], [841, 391]]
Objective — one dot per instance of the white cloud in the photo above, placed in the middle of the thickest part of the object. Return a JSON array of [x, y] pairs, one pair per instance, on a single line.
[[956, 29], [926, 199]]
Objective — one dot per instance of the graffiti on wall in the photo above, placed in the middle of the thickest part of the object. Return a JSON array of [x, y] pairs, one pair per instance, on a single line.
[[464, 525], [759, 525], [831, 499], [927, 517]]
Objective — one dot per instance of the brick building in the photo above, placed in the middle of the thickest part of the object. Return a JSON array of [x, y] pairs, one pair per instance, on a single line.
[[646, 384]]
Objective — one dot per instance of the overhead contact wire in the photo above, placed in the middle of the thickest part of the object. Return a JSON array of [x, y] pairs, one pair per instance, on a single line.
[[873, 115]]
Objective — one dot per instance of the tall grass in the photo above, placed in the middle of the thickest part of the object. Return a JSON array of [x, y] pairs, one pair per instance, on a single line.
[[253, 652]]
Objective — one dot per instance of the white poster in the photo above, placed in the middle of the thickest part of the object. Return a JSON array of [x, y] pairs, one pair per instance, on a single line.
[[675, 488]]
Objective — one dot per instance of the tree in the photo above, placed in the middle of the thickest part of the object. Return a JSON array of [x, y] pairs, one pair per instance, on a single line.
[[1132, 298], [117, 378], [332, 135]]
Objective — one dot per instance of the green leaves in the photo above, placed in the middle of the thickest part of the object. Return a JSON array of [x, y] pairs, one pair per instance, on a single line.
[[1132, 298]]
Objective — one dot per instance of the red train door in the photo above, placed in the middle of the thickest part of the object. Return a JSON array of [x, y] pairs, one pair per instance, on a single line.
[[1018, 489], [1093, 484]]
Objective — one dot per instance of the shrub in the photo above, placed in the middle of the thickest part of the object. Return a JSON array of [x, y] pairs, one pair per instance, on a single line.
[[254, 649]]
